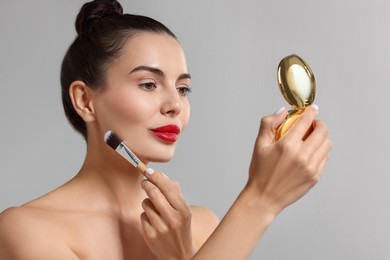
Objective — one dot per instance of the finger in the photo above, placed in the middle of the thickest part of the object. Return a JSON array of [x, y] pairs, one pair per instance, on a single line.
[[303, 123], [147, 227], [322, 166], [323, 151], [157, 198], [151, 211], [316, 137], [170, 189], [317, 146], [269, 125], [154, 217], [319, 156]]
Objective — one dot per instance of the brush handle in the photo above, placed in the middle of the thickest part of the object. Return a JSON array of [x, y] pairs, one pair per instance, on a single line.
[[142, 167]]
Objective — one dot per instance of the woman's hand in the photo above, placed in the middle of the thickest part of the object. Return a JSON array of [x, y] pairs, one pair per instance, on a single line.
[[166, 220], [282, 172]]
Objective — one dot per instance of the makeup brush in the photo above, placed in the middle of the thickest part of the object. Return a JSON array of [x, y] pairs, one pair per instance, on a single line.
[[120, 147]]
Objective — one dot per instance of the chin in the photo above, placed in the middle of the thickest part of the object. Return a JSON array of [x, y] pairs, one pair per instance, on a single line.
[[160, 160], [149, 159], [157, 156]]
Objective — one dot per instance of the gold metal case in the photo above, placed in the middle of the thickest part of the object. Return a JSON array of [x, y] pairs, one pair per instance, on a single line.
[[298, 86]]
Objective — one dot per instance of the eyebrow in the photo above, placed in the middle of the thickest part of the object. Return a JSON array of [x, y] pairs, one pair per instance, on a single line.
[[159, 72]]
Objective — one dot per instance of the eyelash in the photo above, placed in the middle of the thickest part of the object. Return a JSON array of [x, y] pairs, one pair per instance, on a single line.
[[150, 86], [184, 91], [146, 86]]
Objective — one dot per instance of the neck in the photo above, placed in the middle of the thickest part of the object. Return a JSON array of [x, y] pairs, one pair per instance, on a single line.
[[115, 183]]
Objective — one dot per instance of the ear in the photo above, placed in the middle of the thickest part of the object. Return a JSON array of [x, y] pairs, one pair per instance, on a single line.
[[81, 96]]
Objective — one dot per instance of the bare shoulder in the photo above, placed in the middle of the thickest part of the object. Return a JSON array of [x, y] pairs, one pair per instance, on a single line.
[[27, 233], [204, 222], [204, 215]]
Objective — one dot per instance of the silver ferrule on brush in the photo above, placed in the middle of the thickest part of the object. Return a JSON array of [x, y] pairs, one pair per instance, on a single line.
[[127, 154]]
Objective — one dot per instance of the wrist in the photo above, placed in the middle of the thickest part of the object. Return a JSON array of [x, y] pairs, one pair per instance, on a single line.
[[257, 201]]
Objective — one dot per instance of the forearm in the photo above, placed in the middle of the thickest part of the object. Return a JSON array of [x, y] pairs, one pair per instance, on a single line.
[[279, 174], [240, 230]]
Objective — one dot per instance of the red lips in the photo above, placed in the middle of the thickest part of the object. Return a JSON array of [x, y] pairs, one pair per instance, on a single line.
[[168, 133]]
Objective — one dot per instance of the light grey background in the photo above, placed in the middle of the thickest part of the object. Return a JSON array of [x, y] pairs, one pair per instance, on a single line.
[[233, 48]]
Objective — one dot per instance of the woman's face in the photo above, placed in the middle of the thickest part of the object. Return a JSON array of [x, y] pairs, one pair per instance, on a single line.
[[145, 99]]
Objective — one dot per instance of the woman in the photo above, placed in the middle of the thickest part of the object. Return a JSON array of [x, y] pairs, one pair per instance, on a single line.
[[128, 74]]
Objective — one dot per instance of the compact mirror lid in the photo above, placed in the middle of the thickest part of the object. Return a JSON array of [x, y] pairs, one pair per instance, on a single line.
[[296, 81]]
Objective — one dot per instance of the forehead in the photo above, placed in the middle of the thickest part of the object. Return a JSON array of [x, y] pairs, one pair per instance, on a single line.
[[153, 49]]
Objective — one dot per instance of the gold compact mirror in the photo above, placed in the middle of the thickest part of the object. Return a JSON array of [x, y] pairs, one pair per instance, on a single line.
[[298, 86]]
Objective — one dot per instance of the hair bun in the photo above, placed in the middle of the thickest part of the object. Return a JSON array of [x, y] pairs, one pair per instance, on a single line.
[[93, 11]]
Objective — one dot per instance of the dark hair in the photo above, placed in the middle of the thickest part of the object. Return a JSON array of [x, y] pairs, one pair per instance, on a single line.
[[102, 30]]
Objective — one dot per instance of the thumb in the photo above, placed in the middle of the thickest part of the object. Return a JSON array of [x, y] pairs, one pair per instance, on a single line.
[[269, 125]]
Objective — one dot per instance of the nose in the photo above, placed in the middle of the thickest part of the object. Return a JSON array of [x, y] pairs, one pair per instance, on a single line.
[[172, 104]]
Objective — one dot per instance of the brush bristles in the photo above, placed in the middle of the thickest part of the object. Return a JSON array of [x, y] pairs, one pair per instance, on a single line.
[[112, 140]]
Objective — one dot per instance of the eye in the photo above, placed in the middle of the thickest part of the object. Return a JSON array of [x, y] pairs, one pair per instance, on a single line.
[[148, 86], [184, 90]]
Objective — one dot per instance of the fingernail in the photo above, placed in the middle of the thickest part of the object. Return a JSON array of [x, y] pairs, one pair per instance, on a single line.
[[164, 175], [315, 106], [280, 110], [149, 171]]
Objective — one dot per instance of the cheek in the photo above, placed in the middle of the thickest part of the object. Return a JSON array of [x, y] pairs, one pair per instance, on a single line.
[[116, 112]]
